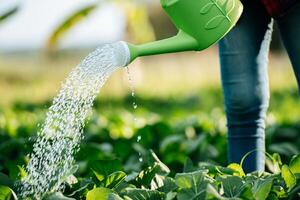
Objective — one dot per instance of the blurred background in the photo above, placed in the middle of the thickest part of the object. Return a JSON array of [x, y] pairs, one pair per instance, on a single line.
[[177, 94]]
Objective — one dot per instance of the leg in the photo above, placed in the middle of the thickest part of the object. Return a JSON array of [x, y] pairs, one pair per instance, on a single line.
[[245, 86], [290, 31]]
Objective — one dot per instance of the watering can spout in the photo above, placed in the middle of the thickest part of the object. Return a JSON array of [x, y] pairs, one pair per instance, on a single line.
[[200, 24], [181, 42]]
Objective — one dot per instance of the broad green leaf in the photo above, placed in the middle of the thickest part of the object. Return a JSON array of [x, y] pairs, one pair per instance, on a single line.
[[113, 196], [191, 185], [262, 188], [188, 165], [171, 196], [98, 194], [234, 187], [58, 196], [212, 193], [114, 179], [215, 169], [8, 14], [288, 176], [103, 168], [284, 148], [5, 193], [143, 194], [170, 142], [69, 23], [246, 193], [295, 164], [145, 177], [169, 185], [236, 167]]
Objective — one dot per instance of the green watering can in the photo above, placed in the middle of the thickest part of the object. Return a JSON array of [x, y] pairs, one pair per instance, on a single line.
[[201, 23]]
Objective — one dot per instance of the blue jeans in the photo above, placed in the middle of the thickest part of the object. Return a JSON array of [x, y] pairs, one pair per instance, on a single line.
[[245, 79]]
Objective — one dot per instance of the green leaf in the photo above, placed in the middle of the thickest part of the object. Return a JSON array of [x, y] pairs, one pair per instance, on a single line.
[[188, 165], [143, 194], [215, 169], [98, 194], [261, 188], [169, 185], [288, 176], [146, 176], [284, 148], [103, 168], [238, 168], [5, 193], [114, 179], [171, 196], [234, 187], [69, 23], [275, 164], [58, 196], [113, 196], [295, 164], [8, 14], [191, 185], [212, 193]]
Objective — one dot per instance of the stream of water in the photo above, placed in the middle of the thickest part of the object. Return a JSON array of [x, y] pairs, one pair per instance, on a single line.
[[52, 158]]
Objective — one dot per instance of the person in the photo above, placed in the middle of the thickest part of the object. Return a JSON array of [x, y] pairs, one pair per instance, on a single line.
[[243, 59]]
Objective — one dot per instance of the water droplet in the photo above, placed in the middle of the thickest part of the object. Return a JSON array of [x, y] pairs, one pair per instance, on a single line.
[[139, 138], [140, 157], [131, 85]]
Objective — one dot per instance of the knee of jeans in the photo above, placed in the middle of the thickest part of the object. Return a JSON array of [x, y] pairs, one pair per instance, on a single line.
[[244, 108]]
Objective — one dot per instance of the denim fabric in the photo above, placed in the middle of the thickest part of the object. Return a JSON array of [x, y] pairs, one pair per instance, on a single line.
[[245, 81]]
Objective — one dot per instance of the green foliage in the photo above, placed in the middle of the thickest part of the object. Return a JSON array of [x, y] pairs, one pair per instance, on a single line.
[[187, 160], [98, 193], [6, 193], [138, 23], [8, 13], [69, 23], [191, 185]]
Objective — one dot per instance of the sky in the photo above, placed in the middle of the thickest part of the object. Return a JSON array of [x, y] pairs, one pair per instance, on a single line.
[[30, 27]]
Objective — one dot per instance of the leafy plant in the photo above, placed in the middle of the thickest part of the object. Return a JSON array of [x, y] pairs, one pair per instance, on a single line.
[[138, 24], [188, 157], [4, 16]]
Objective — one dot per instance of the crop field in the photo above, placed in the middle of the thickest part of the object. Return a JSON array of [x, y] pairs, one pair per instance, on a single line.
[[173, 146]]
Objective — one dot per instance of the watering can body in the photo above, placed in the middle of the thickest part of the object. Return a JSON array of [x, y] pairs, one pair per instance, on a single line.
[[201, 23]]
